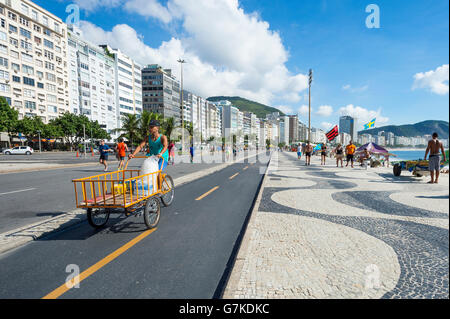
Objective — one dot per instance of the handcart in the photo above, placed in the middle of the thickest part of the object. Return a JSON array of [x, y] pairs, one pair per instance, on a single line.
[[126, 190], [417, 168]]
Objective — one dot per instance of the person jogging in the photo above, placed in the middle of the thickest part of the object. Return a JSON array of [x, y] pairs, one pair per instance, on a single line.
[[308, 153], [434, 147], [121, 150], [104, 150], [157, 145], [350, 150]]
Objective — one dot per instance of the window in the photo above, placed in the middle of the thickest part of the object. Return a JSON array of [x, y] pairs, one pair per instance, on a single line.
[[39, 63], [45, 21], [37, 40], [14, 42], [4, 88], [12, 16], [57, 27], [40, 85], [28, 81], [40, 74], [14, 54], [51, 87], [51, 77], [25, 33], [30, 105], [48, 44], [3, 49], [29, 93], [49, 66], [34, 15], [48, 54], [3, 62], [4, 75], [47, 32], [52, 109], [37, 28], [25, 9], [51, 98], [12, 29], [27, 69], [25, 45], [16, 78], [15, 67], [27, 57], [24, 21], [2, 23]]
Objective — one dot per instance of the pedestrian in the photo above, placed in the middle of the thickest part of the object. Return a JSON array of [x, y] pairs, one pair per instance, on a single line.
[[299, 151], [172, 153], [350, 150], [104, 150], [339, 151], [323, 155], [386, 157], [121, 150], [191, 153], [308, 153], [434, 147]]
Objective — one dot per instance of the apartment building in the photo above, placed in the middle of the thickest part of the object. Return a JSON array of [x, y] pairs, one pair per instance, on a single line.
[[161, 92], [33, 60], [128, 84], [92, 81]]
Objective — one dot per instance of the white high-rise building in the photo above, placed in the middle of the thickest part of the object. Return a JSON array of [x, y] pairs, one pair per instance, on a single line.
[[128, 84], [33, 60], [91, 81]]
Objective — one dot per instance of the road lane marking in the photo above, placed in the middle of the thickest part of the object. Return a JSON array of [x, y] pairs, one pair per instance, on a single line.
[[245, 168], [23, 190], [85, 274], [231, 177], [207, 193]]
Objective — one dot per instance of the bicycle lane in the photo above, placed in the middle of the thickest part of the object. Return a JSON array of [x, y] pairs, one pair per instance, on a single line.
[[37, 269]]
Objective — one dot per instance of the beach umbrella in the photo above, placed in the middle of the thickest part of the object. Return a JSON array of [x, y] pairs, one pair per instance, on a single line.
[[373, 148], [318, 147]]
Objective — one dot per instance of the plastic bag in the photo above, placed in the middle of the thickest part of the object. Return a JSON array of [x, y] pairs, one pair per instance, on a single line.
[[149, 166], [148, 185]]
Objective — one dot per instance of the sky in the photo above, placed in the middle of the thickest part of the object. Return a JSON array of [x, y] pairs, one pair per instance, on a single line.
[[396, 71]]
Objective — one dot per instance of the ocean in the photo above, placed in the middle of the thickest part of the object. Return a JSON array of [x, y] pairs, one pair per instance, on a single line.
[[408, 155]]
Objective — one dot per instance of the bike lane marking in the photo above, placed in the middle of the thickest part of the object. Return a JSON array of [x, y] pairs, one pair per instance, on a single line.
[[207, 193], [231, 177], [91, 270], [19, 191]]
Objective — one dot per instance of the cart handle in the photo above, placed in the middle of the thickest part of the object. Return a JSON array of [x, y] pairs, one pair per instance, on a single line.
[[128, 160]]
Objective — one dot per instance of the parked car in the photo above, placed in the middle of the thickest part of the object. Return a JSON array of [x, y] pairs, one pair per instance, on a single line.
[[19, 150]]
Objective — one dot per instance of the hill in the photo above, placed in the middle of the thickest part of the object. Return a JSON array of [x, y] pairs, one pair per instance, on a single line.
[[245, 105], [412, 130]]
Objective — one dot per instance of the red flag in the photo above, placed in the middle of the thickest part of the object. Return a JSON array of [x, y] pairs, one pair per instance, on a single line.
[[331, 135]]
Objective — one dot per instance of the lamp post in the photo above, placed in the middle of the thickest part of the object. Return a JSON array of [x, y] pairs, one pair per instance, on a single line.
[[181, 61], [84, 139], [310, 81], [39, 133]]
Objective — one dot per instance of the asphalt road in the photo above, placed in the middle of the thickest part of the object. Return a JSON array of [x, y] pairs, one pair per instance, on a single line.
[[187, 256], [30, 197]]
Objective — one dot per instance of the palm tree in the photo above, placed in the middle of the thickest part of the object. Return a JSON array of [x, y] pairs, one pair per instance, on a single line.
[[168, 126], [130, 128], [144, 122]]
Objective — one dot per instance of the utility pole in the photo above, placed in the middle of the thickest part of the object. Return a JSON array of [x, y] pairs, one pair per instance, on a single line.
[[39, 132], [310, 81], [181, 105], [84, 139]]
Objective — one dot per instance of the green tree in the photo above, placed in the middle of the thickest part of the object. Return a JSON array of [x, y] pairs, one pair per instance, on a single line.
[[131, 128], [9, 118], [168, 126], [30, 126]]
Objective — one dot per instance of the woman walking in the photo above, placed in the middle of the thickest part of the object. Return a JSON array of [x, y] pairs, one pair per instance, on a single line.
[[339, 151], [323, 154], [171, 153]]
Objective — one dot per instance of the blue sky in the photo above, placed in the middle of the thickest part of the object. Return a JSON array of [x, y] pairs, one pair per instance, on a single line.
[[235, 48]]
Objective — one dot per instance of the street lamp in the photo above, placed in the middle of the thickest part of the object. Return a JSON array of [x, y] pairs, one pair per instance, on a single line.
[[39, 133], [310, 81], [181, 61]]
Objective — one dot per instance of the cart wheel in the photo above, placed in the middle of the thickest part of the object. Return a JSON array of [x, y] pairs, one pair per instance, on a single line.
[[98, 218], [152, 212], [168, 186], [397, 170]]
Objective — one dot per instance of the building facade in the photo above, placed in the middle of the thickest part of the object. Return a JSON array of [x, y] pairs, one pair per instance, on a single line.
[[347, 124], [33, 60]]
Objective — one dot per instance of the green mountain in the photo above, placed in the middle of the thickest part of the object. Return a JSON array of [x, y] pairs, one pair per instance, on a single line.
[[245, 105], [412, 130]]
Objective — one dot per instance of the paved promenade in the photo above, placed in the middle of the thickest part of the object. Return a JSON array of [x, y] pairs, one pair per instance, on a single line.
[[328, 232]]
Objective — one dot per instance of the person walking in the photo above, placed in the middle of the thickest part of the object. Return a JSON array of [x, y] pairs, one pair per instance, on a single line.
[[434, 147], [339, 151], [191, 153], [299, 151], [323, 155], [121, 150], [172, 153], [104, 152], [308, 153], [350, 150]]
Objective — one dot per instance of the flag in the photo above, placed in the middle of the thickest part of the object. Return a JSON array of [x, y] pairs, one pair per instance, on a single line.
[[331, 135], [370, 124]]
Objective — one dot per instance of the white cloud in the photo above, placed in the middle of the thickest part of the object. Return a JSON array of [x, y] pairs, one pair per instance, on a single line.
[[362, 115], [326, 126], [285, 109], [436, 81], [349, 88], [325, 110], [304, 110], [229, 52]]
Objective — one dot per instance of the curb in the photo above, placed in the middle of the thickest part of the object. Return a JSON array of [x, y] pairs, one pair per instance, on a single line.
[[233, 280], [26, 234]]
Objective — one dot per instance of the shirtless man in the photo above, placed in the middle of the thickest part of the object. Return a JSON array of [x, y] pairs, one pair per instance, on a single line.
[[434, 146], [308, 152]]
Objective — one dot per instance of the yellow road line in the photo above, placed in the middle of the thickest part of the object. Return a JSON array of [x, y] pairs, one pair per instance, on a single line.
[[231, 177], [245, 168], [85, 274], [207, 193]]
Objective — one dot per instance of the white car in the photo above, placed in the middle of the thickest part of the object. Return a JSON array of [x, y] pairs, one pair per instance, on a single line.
[[20, 150]]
